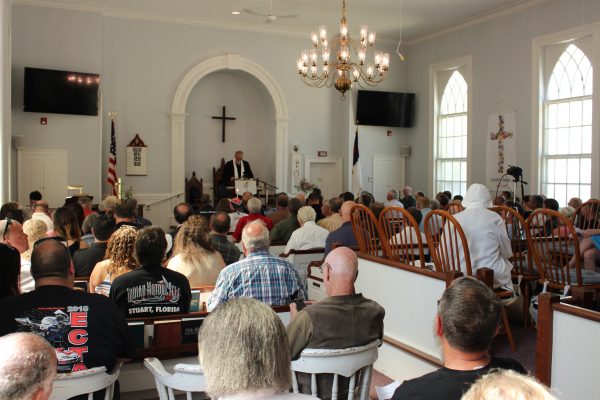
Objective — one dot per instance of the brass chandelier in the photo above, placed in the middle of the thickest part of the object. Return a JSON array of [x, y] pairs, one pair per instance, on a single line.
[[348, 68]]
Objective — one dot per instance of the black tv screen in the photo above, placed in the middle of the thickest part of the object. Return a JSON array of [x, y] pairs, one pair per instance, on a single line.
[[60, 92], [385, 109]]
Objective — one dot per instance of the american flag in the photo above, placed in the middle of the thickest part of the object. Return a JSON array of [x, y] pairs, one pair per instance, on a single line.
[[111, 177]]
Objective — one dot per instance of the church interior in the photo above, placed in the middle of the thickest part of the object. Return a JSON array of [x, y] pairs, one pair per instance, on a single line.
[[170, 71]]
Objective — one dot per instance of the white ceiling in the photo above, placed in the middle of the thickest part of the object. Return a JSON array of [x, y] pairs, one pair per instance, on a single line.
[[416, 17]]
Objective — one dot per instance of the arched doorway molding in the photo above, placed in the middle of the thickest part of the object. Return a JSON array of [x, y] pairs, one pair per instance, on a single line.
[[178, 115]]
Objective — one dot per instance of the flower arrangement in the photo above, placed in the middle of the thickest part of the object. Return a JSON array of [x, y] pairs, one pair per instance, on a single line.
[[305, 185]]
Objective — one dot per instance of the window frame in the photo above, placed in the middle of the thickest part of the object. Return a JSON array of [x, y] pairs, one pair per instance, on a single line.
[[539, 103], [464, 64]]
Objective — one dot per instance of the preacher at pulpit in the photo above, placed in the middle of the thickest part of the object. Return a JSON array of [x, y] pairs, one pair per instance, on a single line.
[[236, 169]]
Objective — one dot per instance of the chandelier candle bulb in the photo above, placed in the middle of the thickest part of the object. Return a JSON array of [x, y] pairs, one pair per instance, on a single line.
[[371, 38], [323, 32], [315, 39], [363, 33]]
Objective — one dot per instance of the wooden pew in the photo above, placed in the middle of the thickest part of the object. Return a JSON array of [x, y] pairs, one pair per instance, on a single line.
[[163, 337], [568, 347], [409, 295]]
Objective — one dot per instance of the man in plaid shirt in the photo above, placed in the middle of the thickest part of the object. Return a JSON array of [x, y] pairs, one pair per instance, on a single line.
[[260, 275]]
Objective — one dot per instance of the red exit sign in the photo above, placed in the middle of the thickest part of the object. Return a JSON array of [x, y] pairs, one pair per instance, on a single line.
[[322, 153]]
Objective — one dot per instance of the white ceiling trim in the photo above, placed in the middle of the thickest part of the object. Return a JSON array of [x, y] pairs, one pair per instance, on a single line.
[[476, 20], [220, 24]]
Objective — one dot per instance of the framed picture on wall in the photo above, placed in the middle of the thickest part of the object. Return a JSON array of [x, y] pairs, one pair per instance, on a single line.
[[137, 157]]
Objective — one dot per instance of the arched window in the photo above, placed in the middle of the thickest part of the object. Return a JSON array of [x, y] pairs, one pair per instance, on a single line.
[[451, 137], [567, 134]]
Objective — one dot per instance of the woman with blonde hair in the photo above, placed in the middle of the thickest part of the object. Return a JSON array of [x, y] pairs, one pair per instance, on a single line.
[[121, 259], [35, 229], [66, 225], [194, 255]]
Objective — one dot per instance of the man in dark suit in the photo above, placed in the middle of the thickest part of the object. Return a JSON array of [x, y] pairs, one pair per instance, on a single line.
[[85, 260], [235, 169]]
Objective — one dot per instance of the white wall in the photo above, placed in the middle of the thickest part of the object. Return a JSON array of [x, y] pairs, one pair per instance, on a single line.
[[141, 63], [501, 50]]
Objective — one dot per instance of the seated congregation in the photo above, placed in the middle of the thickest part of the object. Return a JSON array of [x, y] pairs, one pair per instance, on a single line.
[[210, 266]]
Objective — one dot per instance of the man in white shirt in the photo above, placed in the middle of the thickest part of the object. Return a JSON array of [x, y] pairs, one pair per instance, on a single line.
[[40, 211], [392, 199], [489, 245], [309, 235]]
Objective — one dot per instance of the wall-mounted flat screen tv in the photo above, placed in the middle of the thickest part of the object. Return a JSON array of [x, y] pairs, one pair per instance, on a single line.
[[60, 92], [385, 109]]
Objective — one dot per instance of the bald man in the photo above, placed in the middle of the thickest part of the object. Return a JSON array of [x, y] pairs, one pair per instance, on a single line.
[[344, 235], [27, 367], [341, 320]]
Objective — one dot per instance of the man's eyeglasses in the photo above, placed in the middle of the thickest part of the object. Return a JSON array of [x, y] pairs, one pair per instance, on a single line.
[[8, 222], [324, 266]]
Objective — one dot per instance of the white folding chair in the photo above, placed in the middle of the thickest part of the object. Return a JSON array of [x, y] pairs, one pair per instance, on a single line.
[[187, 378], [351, 362], [86, 381]]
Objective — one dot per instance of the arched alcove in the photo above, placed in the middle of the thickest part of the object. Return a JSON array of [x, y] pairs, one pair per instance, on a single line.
[[178, 114]]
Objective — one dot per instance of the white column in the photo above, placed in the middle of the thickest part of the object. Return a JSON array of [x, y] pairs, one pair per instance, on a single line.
[[177, 153], [5, 101]]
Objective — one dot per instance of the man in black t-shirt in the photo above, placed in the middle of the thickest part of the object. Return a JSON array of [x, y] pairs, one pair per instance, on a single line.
[[86, 259], [468, 319], [151, 290], [86, 330]]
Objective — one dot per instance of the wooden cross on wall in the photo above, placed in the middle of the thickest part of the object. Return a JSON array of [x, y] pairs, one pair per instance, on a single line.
[[223, 118]]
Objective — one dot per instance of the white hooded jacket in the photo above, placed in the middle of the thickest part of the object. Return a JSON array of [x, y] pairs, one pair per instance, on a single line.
[[489, 244]]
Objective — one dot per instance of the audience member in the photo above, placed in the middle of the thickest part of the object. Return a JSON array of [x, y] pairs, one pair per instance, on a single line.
[[195, 256], [468, 319], [282, 232], [9, 210], [589, 250], [281, 211], [366, 199], [124, 215], [245, 197], [499, 201], [13, 235], [138, 220], [377, 207], [260, 274], [489, 245], [344, 236], [120, 259], [151, 290], [89, 326], [408, 200], [41, 212], [448, 194], [34, 197], [575, 202], [67, 227], [9, 271], [35, 230], [408, 233], [444, 201], [333, 221], [251, 361], [86, 259], [302, 198], [86, 229], [181, 213], [309, 235], [551, 204], [108, 204], [219, 226], [419, 194], [507, 195], [77, 210], [253, 214], [342, 319], [392, 199], [507, 385], [314, 200], [27, 367], [347, 196], [457, 199], [423, 205], [86, 204]]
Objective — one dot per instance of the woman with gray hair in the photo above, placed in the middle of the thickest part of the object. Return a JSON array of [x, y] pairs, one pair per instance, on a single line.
[[244, 351]]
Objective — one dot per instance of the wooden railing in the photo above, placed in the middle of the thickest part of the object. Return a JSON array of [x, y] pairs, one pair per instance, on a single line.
[[160, 212]]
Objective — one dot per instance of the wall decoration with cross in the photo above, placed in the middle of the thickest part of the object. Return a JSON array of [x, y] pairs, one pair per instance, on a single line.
[[224, 118], [501, 135]]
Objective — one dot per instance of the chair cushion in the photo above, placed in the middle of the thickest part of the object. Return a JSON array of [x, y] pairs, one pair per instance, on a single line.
[[588, 277]]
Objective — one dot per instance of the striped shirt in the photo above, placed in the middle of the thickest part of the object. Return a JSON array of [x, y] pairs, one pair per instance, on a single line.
[[262, 276]]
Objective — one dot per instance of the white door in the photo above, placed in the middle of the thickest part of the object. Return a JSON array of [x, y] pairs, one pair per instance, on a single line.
[[44, 170], [326, 173], [388, 173]]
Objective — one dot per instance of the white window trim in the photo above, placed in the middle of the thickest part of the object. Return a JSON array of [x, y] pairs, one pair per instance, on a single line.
[[434, 100], [538, 96]]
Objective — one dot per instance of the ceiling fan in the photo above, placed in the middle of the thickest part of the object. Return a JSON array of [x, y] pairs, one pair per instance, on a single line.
[[270, 17]]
